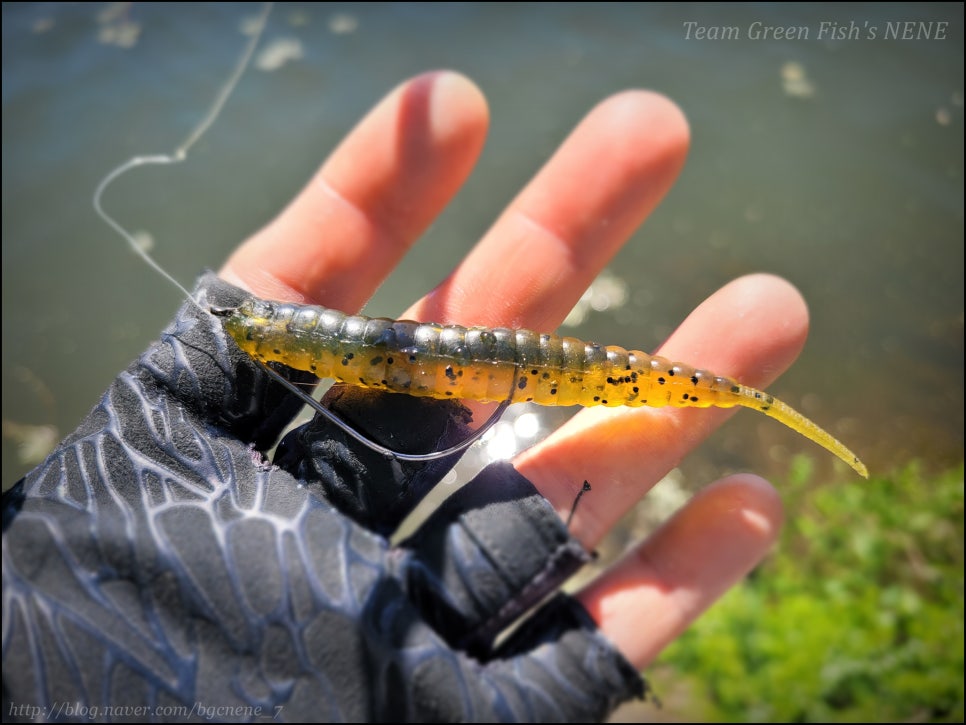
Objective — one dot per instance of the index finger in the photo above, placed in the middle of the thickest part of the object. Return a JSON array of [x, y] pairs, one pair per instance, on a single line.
[[372, 198]]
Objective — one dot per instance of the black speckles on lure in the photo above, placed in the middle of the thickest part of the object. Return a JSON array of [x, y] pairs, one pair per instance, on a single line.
[[476, 363]]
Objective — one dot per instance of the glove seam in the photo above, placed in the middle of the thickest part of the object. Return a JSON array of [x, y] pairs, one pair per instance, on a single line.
[[569, 548]]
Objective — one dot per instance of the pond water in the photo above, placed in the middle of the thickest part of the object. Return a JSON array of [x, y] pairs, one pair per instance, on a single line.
[[835, 162]]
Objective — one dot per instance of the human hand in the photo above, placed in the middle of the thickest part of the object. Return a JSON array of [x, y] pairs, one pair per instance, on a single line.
[[356, 219], [180, 547]]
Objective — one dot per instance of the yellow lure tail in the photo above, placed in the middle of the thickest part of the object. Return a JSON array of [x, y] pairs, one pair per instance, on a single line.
[[786, 414]]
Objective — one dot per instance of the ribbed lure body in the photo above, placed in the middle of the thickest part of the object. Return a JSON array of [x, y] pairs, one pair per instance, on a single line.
[[476, 363]]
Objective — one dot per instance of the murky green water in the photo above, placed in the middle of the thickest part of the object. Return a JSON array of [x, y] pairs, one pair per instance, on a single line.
[[837, 164]]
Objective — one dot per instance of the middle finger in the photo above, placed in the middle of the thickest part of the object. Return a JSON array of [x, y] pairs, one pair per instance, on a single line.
[[541, 254]]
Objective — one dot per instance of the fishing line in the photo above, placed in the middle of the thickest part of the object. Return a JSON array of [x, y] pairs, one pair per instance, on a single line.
[[180, 154]]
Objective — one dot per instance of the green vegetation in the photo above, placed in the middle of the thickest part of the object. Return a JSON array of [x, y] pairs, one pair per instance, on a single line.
[[857, 616]]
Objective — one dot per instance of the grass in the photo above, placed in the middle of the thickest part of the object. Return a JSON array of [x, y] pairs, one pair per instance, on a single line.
[[857, 616]]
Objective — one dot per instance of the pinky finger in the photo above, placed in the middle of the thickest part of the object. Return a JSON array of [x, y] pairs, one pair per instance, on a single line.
[[657, 590]]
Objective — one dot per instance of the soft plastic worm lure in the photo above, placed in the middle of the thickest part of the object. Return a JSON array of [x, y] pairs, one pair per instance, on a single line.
[[499, 365]]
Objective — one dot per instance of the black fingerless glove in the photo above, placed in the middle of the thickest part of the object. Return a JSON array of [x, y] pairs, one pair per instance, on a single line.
[[157, 567]]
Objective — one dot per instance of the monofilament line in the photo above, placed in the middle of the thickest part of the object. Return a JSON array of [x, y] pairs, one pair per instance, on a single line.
[[181, 152]]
